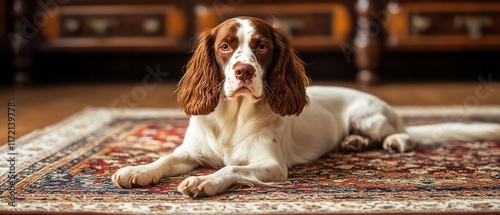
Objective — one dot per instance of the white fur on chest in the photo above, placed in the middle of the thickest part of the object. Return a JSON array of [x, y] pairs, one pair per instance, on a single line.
[[238, 137]]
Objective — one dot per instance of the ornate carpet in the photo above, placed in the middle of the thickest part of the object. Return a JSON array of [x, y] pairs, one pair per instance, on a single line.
[[67, 167]]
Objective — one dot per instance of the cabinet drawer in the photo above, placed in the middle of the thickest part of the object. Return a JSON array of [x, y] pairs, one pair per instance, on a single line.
[[116, 26], [119, 25], [310, 26], [452, 25]]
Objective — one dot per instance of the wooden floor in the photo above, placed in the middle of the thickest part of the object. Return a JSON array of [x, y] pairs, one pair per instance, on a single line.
[[37, 107]]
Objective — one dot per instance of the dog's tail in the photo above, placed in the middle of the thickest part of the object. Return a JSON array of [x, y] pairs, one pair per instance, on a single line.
[[426, 134]]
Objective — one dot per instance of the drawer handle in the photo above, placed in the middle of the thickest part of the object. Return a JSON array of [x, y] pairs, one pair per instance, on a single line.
[[473, 24], [421, 23], [151, 26], [103, 26], [71, 25], [290, 25]]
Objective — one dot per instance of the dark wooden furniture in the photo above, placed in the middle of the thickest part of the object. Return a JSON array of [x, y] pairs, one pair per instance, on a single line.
[[3, 27], [364, 32], [5, 54], [117, 27], [445, 25], [312, 26]]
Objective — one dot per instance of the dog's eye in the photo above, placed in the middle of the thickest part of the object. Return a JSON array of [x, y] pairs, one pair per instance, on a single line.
[[262, 48], [224, 47]]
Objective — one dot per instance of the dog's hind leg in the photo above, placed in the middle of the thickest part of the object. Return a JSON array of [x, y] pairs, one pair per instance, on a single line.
[[372, 126]]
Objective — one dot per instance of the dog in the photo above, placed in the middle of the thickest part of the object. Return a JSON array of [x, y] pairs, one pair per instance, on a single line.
[[253, 115]]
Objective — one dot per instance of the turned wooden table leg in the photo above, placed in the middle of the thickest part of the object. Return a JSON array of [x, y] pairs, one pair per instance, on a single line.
[[367, 42], [21, 39]]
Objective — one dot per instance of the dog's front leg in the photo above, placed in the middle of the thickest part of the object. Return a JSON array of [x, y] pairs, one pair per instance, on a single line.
[[143, 175], [230, 176]]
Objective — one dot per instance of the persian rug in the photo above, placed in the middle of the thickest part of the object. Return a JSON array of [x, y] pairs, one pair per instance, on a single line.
[[67, 168]]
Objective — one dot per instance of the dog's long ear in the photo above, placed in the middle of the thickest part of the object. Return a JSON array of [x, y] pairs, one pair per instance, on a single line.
[[198, 91], [287, 79]]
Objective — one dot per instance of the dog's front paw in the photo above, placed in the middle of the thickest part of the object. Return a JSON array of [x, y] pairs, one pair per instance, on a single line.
[[135, 176], [201, 186]]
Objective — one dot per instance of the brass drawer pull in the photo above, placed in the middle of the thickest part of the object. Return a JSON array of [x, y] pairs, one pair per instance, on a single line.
[[421, 23], [151, 25], [473, 24], [102, 26], [72, 25]]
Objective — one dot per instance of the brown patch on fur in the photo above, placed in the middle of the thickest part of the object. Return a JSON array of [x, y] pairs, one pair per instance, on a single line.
[[198, 91], [287, 80]]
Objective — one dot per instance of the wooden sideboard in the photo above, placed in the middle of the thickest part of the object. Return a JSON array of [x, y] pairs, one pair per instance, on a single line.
[[362, 31], [445, 25]]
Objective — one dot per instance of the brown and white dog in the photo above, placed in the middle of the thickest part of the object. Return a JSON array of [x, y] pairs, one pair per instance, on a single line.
[[253, 116]]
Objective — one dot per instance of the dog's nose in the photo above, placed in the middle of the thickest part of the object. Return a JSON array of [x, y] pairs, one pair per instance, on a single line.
[[244, 72]]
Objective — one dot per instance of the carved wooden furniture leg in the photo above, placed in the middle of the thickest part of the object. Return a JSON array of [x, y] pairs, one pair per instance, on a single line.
[[21, 39], [367, 42]]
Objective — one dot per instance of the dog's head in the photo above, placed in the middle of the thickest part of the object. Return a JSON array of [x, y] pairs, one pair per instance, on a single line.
[[247, 57]]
